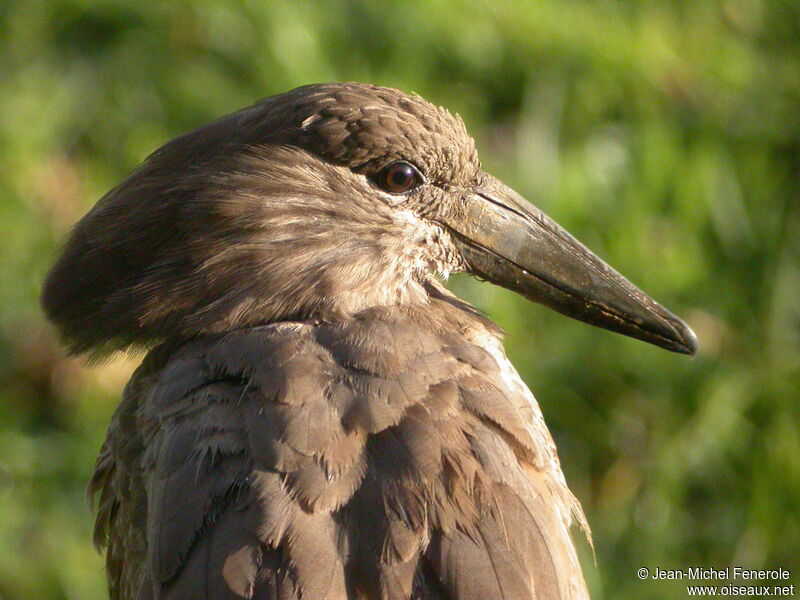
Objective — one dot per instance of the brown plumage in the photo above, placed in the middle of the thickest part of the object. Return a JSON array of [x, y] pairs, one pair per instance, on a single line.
[[317, 418]]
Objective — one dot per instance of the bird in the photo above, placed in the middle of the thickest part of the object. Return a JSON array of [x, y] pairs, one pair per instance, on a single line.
[[317, 417]]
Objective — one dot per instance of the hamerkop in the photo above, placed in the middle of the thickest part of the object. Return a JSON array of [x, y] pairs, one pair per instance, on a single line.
[[317, 418]]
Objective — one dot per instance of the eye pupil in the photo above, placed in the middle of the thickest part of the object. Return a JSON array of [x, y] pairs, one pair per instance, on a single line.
[[399, 177]]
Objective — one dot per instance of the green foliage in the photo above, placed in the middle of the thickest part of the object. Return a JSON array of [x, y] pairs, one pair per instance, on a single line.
[[666, 135]]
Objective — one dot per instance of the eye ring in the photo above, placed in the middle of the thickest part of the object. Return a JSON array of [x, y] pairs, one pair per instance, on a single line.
[[399, 177]]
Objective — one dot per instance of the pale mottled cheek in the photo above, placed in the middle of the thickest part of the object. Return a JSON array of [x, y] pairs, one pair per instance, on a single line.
[[426, 248]]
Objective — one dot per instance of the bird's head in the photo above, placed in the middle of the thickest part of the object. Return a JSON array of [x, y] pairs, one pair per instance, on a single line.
[[318, 203]]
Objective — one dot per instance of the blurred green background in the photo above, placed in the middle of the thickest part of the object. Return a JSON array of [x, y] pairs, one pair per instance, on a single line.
[[664, 134]]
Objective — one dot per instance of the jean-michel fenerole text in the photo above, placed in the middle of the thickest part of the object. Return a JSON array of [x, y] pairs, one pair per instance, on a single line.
[[724, 574]]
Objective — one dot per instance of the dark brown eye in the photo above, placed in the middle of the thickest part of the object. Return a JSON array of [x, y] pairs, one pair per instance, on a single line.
[[399, 177]]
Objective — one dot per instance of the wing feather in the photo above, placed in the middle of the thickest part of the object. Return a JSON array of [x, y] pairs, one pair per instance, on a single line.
[[372, 458]]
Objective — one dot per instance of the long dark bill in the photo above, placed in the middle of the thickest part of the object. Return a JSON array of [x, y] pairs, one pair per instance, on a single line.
[[508, 241]]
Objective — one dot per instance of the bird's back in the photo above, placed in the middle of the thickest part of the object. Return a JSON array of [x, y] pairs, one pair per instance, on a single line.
[[388, 455]]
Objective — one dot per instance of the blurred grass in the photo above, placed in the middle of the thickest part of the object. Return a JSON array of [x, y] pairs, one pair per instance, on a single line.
[[666, 135]]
